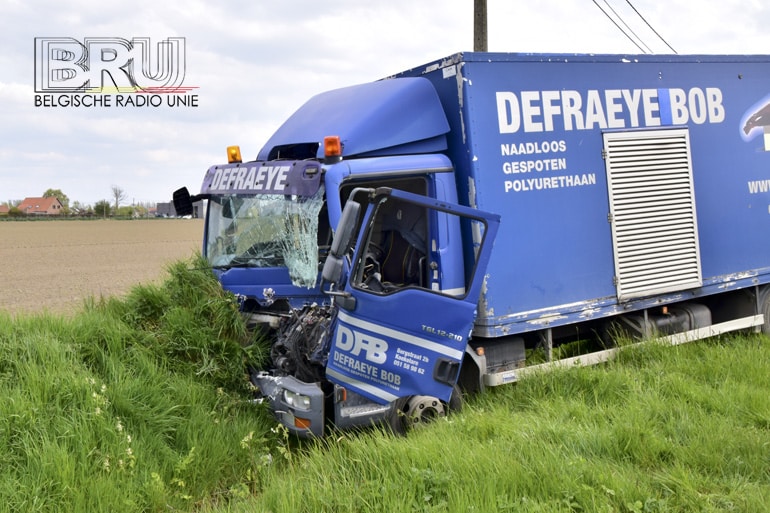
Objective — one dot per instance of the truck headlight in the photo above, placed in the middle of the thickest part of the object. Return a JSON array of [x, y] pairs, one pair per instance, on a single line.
[[298, 401]]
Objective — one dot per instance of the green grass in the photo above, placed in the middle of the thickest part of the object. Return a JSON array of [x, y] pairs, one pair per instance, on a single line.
[[137, 404], [661, 429], [141, 404]]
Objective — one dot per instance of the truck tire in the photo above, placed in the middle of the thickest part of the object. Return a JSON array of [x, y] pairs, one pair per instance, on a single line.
[[418, 410]]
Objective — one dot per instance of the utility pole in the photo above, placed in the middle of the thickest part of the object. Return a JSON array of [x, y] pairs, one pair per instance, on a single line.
[[480, 25]]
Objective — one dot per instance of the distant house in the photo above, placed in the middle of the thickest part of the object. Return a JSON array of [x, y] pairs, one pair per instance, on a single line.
[[4, 209], [168, 210], [165, 210], [41, 206]]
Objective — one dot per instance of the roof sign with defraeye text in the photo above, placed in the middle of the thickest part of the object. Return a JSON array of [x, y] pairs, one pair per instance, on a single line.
[[299, 178]]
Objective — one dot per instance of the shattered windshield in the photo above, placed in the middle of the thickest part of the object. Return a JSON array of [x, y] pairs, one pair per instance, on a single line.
[[268, 230]]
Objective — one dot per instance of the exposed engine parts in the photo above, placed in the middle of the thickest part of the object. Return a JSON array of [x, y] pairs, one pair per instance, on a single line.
[[301, 341]]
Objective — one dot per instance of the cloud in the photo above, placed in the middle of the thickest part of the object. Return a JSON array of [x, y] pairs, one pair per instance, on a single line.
[[254, 63]]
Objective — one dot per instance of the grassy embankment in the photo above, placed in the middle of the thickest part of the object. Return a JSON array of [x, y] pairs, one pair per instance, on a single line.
[[139, 404], [135, 404], [661, 429]]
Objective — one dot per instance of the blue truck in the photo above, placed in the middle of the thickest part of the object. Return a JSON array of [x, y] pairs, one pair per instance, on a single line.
[[404, 241]]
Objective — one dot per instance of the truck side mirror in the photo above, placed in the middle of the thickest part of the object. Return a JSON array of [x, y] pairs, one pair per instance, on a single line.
[[182, 202], [333, 266], [332, 270], [345, 228]]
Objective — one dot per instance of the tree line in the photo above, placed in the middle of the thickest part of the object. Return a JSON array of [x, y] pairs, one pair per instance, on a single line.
[[102, 208]]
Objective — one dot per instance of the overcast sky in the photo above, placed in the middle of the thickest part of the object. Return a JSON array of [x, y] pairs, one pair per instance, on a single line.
[[253, 63]]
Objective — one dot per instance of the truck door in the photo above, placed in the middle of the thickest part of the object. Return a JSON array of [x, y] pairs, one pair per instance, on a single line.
[[398, 333]]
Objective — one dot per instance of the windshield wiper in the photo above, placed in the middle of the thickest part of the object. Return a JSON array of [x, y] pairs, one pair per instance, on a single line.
[[226, 267], [239, 261], [243, 261]]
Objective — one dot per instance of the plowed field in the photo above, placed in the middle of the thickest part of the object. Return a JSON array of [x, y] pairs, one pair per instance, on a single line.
[[55, 265]]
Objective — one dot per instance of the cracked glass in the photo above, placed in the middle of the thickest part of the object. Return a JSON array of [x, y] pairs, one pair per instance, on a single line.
[[265, 231]]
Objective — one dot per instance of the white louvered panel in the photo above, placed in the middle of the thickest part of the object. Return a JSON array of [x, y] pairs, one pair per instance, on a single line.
[[652, 210]]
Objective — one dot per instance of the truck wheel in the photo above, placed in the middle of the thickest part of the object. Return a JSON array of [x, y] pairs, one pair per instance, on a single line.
[[418, 410]]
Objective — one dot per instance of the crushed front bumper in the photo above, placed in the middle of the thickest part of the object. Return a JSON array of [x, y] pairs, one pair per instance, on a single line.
[[297, 405]]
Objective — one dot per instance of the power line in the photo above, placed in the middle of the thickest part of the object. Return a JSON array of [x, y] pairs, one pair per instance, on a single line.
[[618, 26], [626, 25], [645, 21]]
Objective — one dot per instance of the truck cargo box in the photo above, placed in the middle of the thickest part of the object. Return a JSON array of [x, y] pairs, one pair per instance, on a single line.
[[622, 181]]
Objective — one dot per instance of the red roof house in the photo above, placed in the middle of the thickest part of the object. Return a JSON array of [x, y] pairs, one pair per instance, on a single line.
[[41, 206]]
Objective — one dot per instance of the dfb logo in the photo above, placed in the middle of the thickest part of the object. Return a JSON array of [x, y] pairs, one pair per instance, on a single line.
[[108, 64], [354, 341]]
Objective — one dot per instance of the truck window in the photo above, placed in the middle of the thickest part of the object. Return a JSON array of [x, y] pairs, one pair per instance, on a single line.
[[396, 253], [402, 250], [417, 185], [413, 184]]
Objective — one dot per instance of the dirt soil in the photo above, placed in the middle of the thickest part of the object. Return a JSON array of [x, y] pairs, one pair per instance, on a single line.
[[54, 266]]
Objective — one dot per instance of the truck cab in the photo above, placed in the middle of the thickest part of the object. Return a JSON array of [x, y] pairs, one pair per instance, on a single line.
[[269, 229]]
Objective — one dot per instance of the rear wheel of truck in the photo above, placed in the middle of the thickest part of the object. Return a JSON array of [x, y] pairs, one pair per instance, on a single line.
[[418, 410]]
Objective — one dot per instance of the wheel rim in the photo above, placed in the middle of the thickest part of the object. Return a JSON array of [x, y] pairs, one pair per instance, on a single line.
[[421, 409]]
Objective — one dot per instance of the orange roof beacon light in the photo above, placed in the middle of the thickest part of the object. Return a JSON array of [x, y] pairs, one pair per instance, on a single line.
[[332, 149], [234, 155]]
